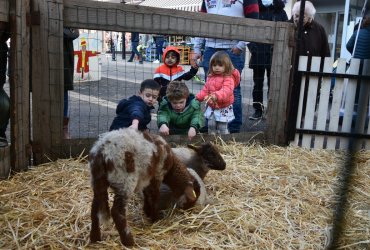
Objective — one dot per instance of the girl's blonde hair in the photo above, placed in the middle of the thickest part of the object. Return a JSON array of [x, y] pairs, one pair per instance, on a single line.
[[221, 58]]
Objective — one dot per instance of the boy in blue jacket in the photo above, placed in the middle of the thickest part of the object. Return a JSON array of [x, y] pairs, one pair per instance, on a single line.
[[135, 111]]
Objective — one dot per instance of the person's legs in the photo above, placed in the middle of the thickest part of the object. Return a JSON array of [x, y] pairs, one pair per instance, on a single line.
[[222, 128], [257, 93], [159, 49], [137, 52], [113, 52], [65, 116], [212, 126], [238, 62], [4, 98]]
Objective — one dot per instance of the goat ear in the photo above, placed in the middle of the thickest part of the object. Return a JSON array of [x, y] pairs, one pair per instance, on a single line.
[[193, 147]]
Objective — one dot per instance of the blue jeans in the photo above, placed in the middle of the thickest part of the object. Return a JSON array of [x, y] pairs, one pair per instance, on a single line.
[[238, 62]]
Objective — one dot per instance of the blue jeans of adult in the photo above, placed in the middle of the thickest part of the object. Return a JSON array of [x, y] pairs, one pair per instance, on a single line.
[[238, 62], [134, 52]]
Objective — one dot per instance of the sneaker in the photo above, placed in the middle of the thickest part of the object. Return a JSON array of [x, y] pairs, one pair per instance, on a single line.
[[129, 60], [141, 62], [257, 115], [156, 61]]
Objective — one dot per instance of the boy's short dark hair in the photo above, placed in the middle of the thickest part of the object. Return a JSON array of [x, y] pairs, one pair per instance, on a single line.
[[175, 53], [149, 84], [177, 90]]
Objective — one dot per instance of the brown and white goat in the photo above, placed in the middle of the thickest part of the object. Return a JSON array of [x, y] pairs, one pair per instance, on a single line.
[[129, 161], [198, 160]]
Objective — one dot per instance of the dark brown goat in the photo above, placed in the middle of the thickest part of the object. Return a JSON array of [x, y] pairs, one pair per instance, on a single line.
[[129, 161], [199, 160]]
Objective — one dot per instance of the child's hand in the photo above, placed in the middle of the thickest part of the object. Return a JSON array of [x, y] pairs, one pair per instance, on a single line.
[[164, 130], [210, 99], [191, 133], [194, 59], [135, 124]]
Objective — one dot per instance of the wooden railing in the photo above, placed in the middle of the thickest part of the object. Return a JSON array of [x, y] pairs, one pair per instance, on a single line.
[[329, 113]]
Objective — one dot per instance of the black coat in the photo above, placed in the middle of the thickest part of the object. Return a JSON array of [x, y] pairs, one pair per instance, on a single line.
[[130, 109], [262, 53], [68, 36]]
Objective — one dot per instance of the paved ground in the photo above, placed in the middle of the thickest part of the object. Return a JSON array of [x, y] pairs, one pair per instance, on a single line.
[[93, 103]]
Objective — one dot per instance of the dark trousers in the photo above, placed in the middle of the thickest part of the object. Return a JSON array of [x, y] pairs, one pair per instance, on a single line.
[[113, 49], [258, 79], [134, 52], [4, 98]]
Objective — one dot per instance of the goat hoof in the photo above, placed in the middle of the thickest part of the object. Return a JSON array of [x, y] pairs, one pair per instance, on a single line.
[[128, 241], [94, 237]]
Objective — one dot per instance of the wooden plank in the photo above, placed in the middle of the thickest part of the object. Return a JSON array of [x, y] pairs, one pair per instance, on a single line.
[[349, 101], [311, 102], [367, 142], [336, 102], [279, 88], [19, 84], [47, 79], [4, 162], [322, 113], [363, 104], [4, 10], [135, 18], [77, 147], [302, 66]]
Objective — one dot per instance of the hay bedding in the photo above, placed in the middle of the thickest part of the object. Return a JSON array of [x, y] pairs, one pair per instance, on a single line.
[[268, 198]]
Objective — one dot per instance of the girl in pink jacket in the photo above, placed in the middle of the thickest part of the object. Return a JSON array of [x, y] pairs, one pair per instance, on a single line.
[[218, 93]]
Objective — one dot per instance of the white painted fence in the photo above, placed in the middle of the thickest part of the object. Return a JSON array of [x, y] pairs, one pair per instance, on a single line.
[[330, 116]]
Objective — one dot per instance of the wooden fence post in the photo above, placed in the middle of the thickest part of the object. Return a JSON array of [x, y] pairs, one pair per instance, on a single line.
[[278, 95], [47, 77], [19, 84]]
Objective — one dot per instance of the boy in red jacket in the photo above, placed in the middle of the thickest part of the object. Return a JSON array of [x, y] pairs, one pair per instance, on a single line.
[[171, 71]]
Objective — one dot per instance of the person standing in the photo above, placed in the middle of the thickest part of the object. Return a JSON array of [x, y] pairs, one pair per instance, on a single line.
[[135, 39], [4, 98], [113, 44], [218, 93], [68, 36], [235, 49], [314, 38], [159, 41], [261, 58], [362, 49]]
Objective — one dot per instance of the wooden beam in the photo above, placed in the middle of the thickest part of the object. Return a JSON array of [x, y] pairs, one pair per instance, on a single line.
[[149, 20], [4, 10]]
